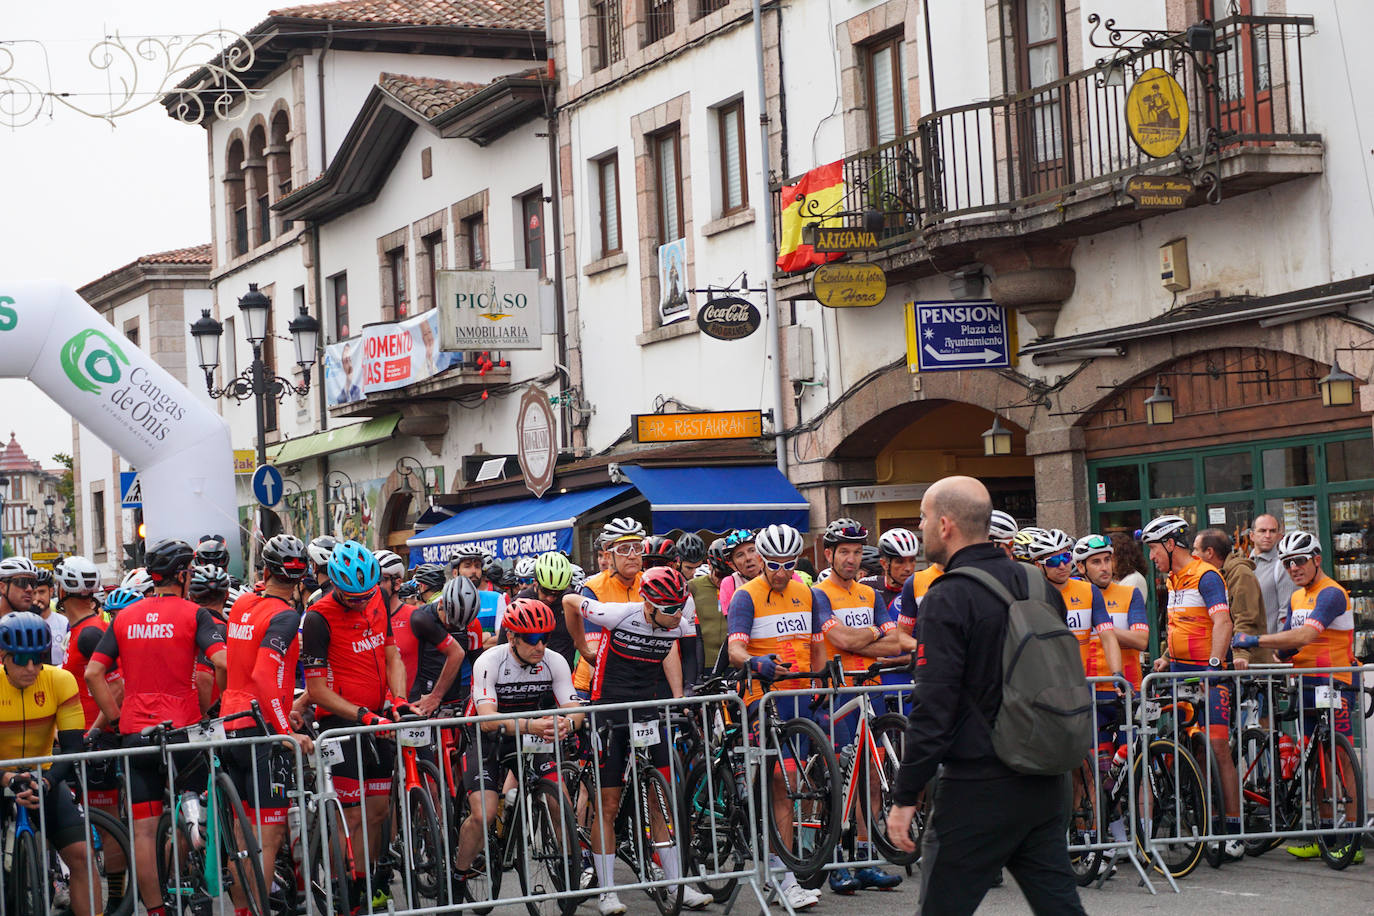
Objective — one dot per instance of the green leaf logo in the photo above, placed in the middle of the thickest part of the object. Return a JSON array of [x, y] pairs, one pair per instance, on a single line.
[[88, 371]]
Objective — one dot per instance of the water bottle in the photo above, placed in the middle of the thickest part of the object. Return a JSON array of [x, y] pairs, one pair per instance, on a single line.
[[1288, 756], [1118, 763], [503, 809], [191, 811], [293, 827]]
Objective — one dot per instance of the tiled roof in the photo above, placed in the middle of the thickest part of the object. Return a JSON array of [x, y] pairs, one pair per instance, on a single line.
[[195, 254], [427, 96], [477, 14], [12, 457]]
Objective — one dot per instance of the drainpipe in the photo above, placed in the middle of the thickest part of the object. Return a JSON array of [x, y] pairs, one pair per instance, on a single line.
[[774, 322], [319, 83], [556, 217]]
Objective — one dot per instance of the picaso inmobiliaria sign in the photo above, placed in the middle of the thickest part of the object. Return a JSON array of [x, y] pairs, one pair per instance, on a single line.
[[489, 309]]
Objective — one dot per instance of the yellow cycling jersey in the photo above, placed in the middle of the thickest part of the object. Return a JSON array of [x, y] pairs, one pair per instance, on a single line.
[[30, 719]]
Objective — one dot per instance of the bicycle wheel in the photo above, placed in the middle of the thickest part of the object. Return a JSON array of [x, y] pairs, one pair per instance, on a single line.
[[1171, 810], [812, 794], [1215, 851], [243, 858], [552, 860], [328, 870], [484, 887], [711, 813], [1083, 820], [1336, 785], [889, 736], [26, 876], [424, 855], [1263, 799], [643, 803], [111, 833], [180, 868]]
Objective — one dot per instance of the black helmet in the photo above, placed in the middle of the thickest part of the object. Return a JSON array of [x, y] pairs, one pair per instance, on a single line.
[[284, 556], [429, 576], [212, 551], [869, 563], [691, 548], [659, 551], [206, 582], [166, 559], [718, 555]]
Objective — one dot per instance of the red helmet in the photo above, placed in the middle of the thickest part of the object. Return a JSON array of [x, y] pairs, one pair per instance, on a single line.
[[659, 551], [663, 586], [528, 615]]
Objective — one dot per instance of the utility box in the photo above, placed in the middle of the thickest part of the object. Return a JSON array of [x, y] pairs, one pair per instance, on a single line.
[[799, 352], [1173, 265]]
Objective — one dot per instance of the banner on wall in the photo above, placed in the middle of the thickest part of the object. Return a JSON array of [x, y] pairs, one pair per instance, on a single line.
[[384, 357], [512, 546]]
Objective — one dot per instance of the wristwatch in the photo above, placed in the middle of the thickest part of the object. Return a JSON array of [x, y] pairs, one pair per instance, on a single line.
[[1214, 662]]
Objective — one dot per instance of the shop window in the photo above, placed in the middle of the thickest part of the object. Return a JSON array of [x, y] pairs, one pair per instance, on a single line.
[[1172, 479], [1352, 459], [1118, 484], [1291, 467], [1228, 473]]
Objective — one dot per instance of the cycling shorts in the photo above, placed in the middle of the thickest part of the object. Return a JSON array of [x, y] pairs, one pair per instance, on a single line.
[[103, 776], [611, 741], [898, 700], [487, 772], [264, 775], [846, 727], [1110, 716], [365, 767], [1216, 718], [57, 817], [148, 774], [1340, 718]]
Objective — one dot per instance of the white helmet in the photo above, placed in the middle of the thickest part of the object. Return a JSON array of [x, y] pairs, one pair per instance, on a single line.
[[390, 562], [77, 576], [321, 549], [1166, 527], [469, 551], [1090, 546], [620, 529], [778, 541], [13, 567], [898, 542], [524, 568], [1050, 542], [1001, 527], [1298, 544], [138, 581], [579, 579], [703, 570]]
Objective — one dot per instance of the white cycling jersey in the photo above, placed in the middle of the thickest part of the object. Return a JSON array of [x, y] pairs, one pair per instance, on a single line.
[[500, 677], [630, 654]]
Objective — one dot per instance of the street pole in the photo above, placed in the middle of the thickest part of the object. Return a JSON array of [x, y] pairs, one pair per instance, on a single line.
[[259, 392], [774, 322]]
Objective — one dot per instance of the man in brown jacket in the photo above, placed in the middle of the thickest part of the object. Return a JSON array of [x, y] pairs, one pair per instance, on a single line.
[[1242, 591]]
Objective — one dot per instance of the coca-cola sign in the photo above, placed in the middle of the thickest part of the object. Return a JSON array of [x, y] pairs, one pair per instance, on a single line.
[[729, 318]]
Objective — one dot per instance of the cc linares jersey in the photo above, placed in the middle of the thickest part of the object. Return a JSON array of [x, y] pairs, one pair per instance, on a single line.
[[262, 646], [31, 718], [85, 639], [156, 642], [347, 647]]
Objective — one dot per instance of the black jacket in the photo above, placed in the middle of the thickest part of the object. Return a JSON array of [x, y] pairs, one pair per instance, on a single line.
[[959, 666]]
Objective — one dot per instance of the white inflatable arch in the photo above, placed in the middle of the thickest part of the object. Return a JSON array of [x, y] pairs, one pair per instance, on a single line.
[[180, 447]]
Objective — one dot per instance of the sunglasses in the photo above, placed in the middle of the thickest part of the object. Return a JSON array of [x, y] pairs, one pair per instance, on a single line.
[[669, 610], [24, 659], [628, 550], [1295, 562], [22, 583], [1058, 560], [776, 565], [532, 639], [346, 598]]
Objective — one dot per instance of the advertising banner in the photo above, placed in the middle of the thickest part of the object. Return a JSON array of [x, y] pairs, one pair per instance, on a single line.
[[383, 357], [512, 546], [489, 309]]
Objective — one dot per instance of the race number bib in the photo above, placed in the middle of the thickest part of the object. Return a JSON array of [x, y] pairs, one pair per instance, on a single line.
[[1326, 698], [533, 744], [209, 733], [332, 753], [413, 736], [644, 734]]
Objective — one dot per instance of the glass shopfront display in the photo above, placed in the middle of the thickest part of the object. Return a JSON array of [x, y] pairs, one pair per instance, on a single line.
[[1324, 485]]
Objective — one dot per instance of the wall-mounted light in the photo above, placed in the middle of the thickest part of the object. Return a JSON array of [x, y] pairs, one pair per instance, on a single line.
[[1159, 407], [1337, 387], [996, 439]]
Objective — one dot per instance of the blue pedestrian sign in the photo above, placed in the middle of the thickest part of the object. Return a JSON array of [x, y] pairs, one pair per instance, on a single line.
[[267, 485], [958, 334], [130, 490]]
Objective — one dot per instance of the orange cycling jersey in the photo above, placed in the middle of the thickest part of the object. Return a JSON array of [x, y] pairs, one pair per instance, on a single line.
[[606, 588], [1127, 610], [773, 623], [1197, 593], [857, 605], [1085, 614], [913, 592], [1324, 605]]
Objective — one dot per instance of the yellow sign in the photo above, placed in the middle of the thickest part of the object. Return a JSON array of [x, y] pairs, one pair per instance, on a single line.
[[842, 239], [46, 560], [684, 427], [849, 285], [245, 461], [1157, 113]]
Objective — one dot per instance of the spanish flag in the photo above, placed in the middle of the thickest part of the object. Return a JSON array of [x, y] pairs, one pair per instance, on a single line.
[[820, 191]]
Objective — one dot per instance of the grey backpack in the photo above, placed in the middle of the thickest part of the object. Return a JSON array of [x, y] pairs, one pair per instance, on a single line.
[[1045, 724]]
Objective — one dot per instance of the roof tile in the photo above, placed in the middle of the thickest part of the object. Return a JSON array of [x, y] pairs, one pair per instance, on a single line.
[[427, 96], [488, 14]]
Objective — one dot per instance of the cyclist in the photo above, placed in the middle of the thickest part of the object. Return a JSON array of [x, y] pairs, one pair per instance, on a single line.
[[913, 593], [744, 558], [212, 551], [770, 634], [430, 577], [393, 573], [1093, 555], [711, 620], [1087, 610], [638, 657], [1319, 632], [1022, 542], [618, 583], [1199, 639], [516, 676], [897, 552], [852, 622], [318, 552], [136, 580], [662, 551], [352, 671], [209, 588], [43, 606], [524, 572], [691, 553], [118, 600], [261, 649], [444, 662], [1002, 530], [156, 641], [18, 579], [553, 577], [39, 705], [469, 560]]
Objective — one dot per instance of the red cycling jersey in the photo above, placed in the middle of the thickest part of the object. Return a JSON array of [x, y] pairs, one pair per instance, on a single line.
[[156, 641], [262, 651], [348, 647], [83, 639], [407, 643]]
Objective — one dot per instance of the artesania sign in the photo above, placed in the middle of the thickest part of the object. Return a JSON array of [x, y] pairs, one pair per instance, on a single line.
[[489, 309], [841, 239], [729, 318]]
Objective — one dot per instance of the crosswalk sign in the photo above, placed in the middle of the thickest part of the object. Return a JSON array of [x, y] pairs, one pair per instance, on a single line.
[[130, 490]]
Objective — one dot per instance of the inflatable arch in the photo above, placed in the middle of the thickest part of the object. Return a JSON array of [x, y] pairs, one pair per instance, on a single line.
[[181, 448]]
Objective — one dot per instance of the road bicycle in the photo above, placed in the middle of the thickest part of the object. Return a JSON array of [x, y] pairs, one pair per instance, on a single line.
[[414, 834]]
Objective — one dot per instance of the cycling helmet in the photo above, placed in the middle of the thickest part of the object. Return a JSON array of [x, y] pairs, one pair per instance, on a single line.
[[121, 598], [659, 551], [622, 529], [430, 576], [15, 567], [390, 563], [718, 557], [469, 551], [42, 576], [138, 581], [524, 569], [898, 542], [739, 536], [779, 541], [1166, 528], [235, 593], [579, 578], [460, 601], [691, 548], [167, 559], [553, 572], [1024, 540], [869, 563], [207, 580], [703, 570], [284, 556], [502, 573], [528, 615], [1298, 544], [1050, 542], [663, 587], [410, 589], [1002, 527], [1090, 546], [212, 551], [78, 576], [353, 569], [320, 549], [844, 531], [24, 631]]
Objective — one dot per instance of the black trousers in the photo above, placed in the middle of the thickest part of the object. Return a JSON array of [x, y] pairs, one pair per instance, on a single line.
[[979, 826]]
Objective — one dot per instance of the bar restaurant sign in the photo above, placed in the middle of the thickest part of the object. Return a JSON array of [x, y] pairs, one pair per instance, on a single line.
[[687, 427], [489, 309]]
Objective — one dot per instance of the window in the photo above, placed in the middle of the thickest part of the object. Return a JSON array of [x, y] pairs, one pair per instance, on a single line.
[[660, 20], [610, 32], [667, 147], [235, 200], [339, 294], [432, 254], [131, 331], [709, 6], [608, 195], [241, 230], [475, 232], [532, 228], [734, 193], [1041, 60], [886, 74], [98, 520], [231, 352], [264, 219], [396, 285]]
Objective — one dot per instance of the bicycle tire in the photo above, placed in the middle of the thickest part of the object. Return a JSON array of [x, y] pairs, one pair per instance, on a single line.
[[425, 851], [1175, 810], [551, 840], [889, 734], [329, 887], [112, 831], [1261, 776], [712, 812], [820, 803], [188, 886], [486, 889], [1339, 851], [634, 838], [1083, 821], [244, 865], [27, 868]]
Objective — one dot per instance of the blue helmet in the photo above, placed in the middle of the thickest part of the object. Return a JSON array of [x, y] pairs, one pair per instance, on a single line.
[[24, 631], [353, 569], [121, 598]]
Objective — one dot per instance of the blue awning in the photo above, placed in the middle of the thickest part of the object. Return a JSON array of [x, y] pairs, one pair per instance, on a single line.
[[719, 498], [523, 527]]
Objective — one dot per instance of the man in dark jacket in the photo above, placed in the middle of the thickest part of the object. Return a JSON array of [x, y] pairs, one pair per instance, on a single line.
[[983, 815]]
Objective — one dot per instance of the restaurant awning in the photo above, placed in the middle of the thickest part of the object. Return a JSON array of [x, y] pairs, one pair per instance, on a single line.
[[719, 498]]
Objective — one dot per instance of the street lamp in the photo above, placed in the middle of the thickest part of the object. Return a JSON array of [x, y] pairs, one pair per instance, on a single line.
[[49, 504], [32, 513], [4, 495], [1337, 387], [997, 439]]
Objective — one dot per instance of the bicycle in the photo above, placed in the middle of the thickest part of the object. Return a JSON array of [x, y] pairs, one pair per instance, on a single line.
[[414, 786]]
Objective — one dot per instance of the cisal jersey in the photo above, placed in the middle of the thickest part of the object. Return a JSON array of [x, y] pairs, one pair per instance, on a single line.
[[773, 623]]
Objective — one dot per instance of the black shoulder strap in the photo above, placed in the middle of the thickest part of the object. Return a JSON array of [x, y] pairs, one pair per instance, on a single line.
[[983, 578]]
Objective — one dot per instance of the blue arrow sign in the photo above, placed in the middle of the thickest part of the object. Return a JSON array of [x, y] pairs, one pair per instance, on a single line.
[[267, 485], [961, 334]]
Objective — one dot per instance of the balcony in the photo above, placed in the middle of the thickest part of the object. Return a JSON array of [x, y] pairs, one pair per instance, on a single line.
[[462, 380]]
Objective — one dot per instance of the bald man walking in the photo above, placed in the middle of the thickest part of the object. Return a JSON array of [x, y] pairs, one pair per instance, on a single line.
[[984, 815]]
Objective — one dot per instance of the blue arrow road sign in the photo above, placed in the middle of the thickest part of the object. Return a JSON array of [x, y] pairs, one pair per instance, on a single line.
[[267, 485], [961, 334]]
